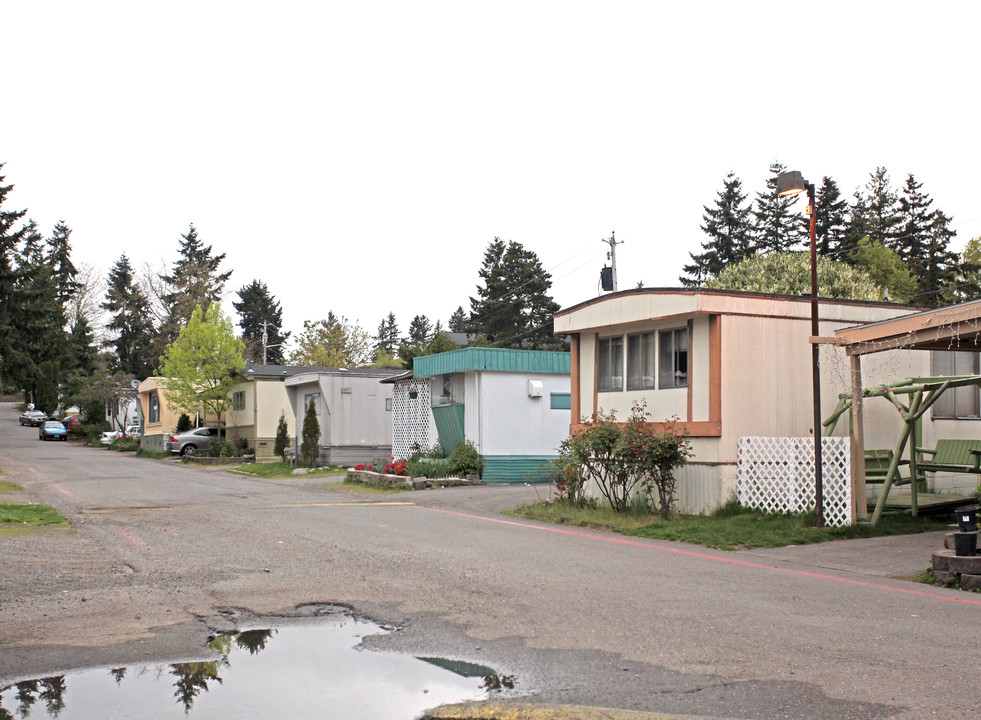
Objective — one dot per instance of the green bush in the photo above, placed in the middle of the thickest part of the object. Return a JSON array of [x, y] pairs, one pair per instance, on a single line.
[[465, 460], [282, 438], [125, 444], [431, 468], [222, 449], [310, 444], [92, 431], [183, 424]]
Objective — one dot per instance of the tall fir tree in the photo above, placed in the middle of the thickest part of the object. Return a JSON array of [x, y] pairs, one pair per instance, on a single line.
[[830, 220], [60, 259], [913, 229], [458, 321], [776, 222], [257, 306], [12, 352], [388, 338], [513, 307], [881, 210], [133, 337], [194, 280], [729, 230], [420, 330], [938, 284]]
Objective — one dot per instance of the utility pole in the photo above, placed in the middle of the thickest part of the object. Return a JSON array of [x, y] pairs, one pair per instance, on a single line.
[[265, 339], [612, 255]]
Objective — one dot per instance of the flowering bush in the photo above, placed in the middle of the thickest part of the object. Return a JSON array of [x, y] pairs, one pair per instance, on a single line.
[[364, 467], [397, 467]]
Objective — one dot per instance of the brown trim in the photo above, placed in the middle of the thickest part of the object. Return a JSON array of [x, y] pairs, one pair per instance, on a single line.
[[574, 359], [694, 429], [691, 368], [595, 373], [715, 369]]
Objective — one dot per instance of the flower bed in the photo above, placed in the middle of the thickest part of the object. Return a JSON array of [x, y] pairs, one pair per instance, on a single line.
[[359, 474]]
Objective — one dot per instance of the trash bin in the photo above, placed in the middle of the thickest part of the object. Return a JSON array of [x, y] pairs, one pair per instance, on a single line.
[[965, 544], [967, 519]]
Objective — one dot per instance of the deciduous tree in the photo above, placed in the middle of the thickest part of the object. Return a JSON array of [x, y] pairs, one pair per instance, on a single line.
[[789, 273], [332, 342]]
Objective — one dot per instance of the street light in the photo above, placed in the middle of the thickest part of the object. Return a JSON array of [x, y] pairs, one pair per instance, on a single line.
[[791, 183]]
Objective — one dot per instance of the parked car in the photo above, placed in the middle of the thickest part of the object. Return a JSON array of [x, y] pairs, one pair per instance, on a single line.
[[74, 422], [193, 440], [110, 435], [32, 417], [52, 429]]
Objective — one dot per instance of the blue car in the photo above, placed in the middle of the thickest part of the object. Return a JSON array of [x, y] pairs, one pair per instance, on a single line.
[[52, 429]]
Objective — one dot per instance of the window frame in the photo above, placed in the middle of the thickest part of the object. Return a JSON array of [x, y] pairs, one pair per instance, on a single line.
[[610, 342], [153, 407], [674, 352], [962, 403], [647, 352], [238, 400]]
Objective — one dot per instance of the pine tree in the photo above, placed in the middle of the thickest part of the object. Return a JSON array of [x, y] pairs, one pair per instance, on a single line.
[[458, 321], [938, 284], [257, 306], [776, 225], [857, 229], [11, 236], [194, 281], [913, 229], [133, 337], [882, 213], [59, 258], [310, 445], [830, 220], [387, 338], [513, 308], [420, 330], [728, 227]]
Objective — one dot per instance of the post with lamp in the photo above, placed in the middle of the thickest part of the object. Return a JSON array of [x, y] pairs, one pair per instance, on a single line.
[[791, 183]]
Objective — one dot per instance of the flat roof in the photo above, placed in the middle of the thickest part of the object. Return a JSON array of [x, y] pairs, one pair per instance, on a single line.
[[493, 360]]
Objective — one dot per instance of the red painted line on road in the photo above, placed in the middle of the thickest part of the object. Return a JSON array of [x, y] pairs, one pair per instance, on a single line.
[[55, 485], [716, 558], [143, 545]]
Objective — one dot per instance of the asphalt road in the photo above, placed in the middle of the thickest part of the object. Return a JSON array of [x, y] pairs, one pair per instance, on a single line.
[[161, 554]]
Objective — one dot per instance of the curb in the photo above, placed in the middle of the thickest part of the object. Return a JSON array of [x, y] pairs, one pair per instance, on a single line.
[[533, 711]]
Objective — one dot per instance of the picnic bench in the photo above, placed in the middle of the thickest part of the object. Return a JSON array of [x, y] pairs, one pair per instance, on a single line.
[[955, 456]]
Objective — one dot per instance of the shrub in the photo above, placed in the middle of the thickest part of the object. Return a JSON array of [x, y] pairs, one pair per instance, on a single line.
[[397, 467], [221, 449], [465, 460], [432, 468], [570, 485], [310, 445], [183, 424], [92, 430], [620, 457], [282, 437]]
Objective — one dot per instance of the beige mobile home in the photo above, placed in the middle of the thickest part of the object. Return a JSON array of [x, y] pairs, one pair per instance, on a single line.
[[724, 364]]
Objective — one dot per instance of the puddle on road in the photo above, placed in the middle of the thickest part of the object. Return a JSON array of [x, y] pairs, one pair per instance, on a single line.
[[296, 671]]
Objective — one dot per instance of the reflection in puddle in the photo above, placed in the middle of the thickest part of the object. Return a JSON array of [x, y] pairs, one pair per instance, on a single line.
[[310, 671]]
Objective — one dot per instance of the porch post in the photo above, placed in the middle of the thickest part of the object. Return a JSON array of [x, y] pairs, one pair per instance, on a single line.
[[860, 505]]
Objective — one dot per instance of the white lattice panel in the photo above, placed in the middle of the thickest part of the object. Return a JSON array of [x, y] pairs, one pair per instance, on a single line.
[[776, 474], [412, 417]]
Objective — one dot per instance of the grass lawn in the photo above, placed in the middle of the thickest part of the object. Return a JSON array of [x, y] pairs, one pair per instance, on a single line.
[[730, 528], [15, 518], [284, 469]]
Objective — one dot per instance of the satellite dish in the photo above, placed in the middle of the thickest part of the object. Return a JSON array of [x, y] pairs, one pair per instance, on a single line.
[[135, 384]]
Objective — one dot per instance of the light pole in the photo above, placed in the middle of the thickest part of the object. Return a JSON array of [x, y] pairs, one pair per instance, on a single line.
[[791, 183]]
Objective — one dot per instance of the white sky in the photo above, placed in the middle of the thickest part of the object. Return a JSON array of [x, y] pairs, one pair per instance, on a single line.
[[358, 157]]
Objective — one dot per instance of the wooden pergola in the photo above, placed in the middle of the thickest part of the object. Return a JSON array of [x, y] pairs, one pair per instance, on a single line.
[[952, 328]]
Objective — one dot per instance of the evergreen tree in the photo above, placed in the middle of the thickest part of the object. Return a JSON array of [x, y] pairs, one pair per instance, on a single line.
[[728, 227], [132, 335], [310, 445], [257, 306], [282, 440], [938, 283], [420, 330], [11, 234], [913, 228], [194, 281], [881, 210], [387, 338], [513, 308], [59, 258], [857, 228], [776, 225], [830, 220], [458, 320]]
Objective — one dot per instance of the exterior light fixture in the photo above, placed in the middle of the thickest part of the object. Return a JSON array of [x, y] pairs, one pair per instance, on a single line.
[[791, 183]]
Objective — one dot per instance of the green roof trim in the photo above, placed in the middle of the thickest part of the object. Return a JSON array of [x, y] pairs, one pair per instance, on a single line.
[[494, 360]]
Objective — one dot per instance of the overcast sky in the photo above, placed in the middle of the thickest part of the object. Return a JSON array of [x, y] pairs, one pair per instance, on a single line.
[[359, 156]]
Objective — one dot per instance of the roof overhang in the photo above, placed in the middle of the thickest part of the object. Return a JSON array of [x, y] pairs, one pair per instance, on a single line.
[[956, 327]]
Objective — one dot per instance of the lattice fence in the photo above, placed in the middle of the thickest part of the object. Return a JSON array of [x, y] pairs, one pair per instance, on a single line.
[[776, 474], [412, 419]]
